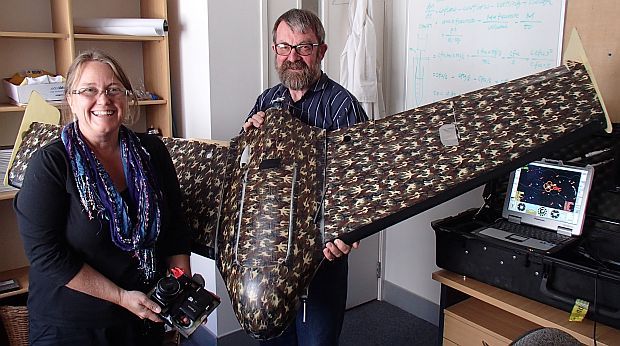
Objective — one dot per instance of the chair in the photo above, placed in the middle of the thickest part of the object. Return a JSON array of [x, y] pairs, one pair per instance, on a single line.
[[547, 337], [15, 322]]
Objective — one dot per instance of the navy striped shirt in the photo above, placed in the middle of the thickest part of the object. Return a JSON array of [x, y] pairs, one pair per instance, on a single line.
[[326, 104]]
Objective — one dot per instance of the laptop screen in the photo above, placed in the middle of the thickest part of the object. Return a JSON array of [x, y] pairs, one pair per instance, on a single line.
[[549, 195]]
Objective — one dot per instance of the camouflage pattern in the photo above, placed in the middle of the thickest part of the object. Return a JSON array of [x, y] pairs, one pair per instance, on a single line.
[[282, 191], [37, 135], [271, 241], [393, 168], [200, 167]]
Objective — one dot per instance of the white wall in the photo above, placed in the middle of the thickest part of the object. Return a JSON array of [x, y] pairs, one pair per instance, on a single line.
[[236, 51], [189, 64], [216, 56], [410, 248]]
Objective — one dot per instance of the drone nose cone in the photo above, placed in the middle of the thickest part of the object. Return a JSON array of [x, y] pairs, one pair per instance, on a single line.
[[265, 300]]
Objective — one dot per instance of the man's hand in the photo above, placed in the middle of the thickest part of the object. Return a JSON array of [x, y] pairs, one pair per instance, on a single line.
[[140, 305], [255, 120], [337, 249]]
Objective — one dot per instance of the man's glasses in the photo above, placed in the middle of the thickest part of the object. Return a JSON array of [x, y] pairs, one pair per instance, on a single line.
[[301, 49], [92, 92]]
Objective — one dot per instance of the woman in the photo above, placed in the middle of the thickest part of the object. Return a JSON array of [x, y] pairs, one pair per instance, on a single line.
[[99, 214]]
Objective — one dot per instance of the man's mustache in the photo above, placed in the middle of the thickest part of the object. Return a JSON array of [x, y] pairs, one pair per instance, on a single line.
[[299, 64]]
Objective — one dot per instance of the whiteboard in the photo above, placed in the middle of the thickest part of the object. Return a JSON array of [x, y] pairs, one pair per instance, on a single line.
[[457, 46]]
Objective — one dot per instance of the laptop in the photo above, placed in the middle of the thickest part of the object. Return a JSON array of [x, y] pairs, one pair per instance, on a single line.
[[545, 206]]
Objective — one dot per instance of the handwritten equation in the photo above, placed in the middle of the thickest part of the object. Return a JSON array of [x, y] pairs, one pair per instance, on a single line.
[[457, 46]]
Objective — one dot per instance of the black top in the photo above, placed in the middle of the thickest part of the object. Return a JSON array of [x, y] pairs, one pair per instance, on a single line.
[[326, 104], [58, 238]]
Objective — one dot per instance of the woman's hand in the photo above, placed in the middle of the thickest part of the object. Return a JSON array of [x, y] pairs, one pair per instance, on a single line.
[[140, 305], [91, 282]]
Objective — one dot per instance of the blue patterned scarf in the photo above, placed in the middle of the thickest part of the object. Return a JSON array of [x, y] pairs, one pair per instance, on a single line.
[[100, 198]]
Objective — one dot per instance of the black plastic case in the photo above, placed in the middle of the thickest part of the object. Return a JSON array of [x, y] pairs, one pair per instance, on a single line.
[[588, 270]]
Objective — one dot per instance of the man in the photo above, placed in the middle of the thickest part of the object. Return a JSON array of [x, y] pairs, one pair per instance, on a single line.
[[308, 94]]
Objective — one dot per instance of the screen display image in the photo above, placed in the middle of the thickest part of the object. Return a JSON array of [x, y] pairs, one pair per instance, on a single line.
[[549, 192]]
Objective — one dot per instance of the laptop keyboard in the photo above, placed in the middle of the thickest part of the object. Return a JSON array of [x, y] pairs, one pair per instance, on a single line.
[[531, 232]]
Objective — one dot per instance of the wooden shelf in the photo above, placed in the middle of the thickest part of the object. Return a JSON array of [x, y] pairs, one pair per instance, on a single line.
[[530, 310], [96, 37], [33, 35], [21, 275], [478, 323], [152, 102], [7, 195], [7, 107]]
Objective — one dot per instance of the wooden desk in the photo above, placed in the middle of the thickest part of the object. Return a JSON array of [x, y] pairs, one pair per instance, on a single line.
[[501, 316]]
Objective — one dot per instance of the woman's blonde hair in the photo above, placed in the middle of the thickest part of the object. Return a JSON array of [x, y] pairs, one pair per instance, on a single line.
[[75, 70]]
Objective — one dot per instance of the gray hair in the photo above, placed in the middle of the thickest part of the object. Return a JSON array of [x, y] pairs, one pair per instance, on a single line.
[[301, 21], [75, 70]]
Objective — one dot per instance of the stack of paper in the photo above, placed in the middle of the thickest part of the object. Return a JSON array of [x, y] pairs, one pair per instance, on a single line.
[[5, 156]]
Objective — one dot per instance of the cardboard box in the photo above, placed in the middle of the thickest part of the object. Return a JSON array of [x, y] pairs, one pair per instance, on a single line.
[[20, 94]]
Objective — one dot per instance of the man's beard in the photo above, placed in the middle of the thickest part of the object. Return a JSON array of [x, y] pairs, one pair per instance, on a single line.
[[298, 79]]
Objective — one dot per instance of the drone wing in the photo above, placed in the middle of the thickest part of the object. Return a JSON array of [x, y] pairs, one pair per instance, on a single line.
[[200, 167], [199, 164], [382, 172]]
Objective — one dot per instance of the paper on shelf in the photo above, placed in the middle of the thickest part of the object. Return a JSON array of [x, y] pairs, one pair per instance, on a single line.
[[121, 26], [44, 79]]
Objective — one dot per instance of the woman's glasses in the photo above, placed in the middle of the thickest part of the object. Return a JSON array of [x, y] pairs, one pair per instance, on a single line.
[[91, 92]]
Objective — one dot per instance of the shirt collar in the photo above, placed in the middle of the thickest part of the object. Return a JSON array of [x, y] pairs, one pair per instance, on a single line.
[[321, 83]]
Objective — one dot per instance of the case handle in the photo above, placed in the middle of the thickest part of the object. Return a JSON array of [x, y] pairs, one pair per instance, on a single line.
[[551, 293]]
